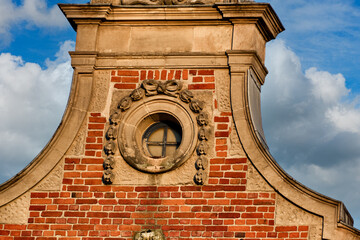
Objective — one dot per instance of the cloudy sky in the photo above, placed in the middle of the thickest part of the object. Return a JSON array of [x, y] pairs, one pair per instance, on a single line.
[[310, 101]]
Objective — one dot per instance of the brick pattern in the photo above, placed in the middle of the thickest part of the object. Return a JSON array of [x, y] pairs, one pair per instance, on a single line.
[[87, 209], [201, 79]]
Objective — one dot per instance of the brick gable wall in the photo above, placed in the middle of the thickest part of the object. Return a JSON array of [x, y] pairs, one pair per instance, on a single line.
[[85, 208]]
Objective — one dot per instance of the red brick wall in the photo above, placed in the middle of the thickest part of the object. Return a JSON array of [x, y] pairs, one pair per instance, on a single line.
[[85, 208]]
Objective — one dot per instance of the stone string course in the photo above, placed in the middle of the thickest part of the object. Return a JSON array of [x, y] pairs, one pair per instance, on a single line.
[[87, 209]]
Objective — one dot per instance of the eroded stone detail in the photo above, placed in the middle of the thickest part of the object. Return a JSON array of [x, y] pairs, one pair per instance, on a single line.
[[149, 234], [255, 181], [288, 214], [235, 146], [100, 91], [17, 211], [223, 91], [77, 148], [53, 181]]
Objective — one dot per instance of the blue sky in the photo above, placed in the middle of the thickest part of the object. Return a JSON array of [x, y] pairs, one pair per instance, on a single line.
[[310, 99]]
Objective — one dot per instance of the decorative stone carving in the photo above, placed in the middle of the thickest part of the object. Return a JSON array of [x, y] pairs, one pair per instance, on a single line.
[[125, 103], [150, 86], [203, 134], [109, 163], [132, 150], [201, 163], [111, 132], [172, 88], [202, 148], [150, 234], [202, 119], [109, 148], [108, 177], [186, 96], [115, 117], [137, 94], [196, 106], [199, 177]]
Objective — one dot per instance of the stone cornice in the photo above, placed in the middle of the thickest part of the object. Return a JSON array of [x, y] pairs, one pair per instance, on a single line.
[[260, 14]]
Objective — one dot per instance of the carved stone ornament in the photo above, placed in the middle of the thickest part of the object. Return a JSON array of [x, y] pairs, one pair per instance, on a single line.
[[150, 234], [109, 148], [109, 163], [202, 148], [172, 87], [137, 94], [186, 96], [150, 86], [108, 177], [115, 117], [111, 132], [202, 119], [199, 177], [201, 163], [125, 103], [203, 134], [196, 106]]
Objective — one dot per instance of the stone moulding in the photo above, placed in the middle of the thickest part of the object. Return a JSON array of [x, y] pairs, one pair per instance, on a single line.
[[333, 211], [162, 2]]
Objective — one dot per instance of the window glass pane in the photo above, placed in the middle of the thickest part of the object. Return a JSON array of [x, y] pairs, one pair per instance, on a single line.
[[157, 135], [155, 151], [171, 135]]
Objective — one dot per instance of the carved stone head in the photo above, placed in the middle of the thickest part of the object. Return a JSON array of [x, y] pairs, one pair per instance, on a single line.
[[201, 163], [199, 177], [109, 163], [202, 148], [137, 94], [125, 103], [111, 132], [202, 119], [115, 117], [108, 177]]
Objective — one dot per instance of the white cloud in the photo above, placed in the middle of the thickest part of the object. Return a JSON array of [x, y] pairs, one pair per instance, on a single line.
[[32, 101], [326, 86], [312, 125], [30, 13]]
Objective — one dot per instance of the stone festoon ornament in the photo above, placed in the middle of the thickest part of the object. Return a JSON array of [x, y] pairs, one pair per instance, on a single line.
[[150, 88]]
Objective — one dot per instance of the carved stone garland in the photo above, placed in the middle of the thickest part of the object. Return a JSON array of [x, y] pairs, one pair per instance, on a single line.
[[151, 88]]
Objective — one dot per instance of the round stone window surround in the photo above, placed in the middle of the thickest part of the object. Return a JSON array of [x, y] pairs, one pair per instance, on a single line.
[[142, 115]]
